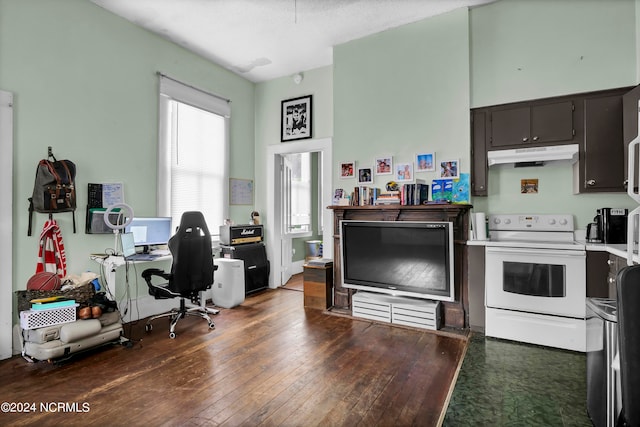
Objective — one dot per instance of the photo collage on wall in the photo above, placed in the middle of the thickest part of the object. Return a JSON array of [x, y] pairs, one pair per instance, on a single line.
[[401, 181]]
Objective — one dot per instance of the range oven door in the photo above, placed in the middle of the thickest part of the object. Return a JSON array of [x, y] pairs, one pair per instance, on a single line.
[[545, 281]]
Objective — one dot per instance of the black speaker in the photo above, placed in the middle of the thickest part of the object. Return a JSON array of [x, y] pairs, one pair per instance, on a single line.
[[256, 264]]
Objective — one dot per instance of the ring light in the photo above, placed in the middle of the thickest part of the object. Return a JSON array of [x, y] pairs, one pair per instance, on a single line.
[[117, 227], [125, 207]]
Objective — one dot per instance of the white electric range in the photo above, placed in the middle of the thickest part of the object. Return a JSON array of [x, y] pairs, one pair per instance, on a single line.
[[535, 281]]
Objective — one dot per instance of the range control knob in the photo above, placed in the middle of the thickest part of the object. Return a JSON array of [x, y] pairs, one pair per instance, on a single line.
[[507, 221], [563, 221], [496, 220], [552, 221]]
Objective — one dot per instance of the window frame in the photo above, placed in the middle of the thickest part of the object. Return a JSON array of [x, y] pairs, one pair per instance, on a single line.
[[173, 90]]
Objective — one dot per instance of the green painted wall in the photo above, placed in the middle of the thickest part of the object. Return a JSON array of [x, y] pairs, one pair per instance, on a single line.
[[85, 83], [534, 49], [268, 98], [402, 92]]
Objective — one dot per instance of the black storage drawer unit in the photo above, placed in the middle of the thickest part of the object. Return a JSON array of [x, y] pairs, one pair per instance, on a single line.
[[256, 264]]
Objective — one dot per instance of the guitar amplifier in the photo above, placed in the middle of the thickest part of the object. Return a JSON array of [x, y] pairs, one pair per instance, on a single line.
[[241, 234]]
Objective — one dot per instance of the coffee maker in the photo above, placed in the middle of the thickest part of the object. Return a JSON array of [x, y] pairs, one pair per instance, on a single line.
[[608, 226]]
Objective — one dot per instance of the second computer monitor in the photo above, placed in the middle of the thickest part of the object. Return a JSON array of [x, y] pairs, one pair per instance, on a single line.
[[150, 231]]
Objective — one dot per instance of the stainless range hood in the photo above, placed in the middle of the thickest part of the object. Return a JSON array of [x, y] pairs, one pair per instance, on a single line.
[[534, 156]]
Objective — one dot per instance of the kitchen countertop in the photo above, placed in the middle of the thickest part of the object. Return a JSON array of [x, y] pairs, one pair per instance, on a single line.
[[615, 249]]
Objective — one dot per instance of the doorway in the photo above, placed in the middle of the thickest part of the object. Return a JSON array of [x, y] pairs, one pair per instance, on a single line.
[[278, 239]]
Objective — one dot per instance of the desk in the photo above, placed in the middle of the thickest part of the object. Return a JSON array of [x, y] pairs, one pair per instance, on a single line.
[[145, 305], [111, 264]]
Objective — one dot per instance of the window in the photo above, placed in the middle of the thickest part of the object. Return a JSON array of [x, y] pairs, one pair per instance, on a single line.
[[193, 154], [297, 193]]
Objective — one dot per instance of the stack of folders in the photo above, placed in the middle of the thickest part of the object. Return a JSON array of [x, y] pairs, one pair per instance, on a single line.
[[51, 302]]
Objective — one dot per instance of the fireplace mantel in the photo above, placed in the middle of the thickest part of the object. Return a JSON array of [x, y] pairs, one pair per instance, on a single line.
[[456, 312]]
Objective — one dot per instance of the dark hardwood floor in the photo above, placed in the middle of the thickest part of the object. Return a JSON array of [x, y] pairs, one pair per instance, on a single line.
[[268, 362], [296, 283]]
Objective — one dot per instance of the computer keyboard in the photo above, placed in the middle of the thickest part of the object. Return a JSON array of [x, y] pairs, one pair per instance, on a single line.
[[142, 257]]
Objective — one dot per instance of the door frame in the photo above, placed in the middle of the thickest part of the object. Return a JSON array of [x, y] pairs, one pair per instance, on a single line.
[[274, 205], [6, 224]]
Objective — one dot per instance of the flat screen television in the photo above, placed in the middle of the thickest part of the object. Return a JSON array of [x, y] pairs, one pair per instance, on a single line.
[[405, 258]]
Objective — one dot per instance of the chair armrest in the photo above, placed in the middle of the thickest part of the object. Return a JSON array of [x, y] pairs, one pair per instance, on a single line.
[[149, 272], [158, 290]]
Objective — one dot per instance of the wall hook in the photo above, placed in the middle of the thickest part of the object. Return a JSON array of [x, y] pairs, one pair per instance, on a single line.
[[50, 154]]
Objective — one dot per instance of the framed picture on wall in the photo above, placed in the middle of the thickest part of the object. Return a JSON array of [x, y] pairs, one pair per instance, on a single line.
[[296, 118], [347, 170], [450, 168], [384, 165], [404, 172], [365, 175], [425, 162]]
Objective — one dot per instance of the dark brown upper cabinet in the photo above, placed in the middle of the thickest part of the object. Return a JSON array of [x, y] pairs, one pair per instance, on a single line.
[[601, 159], [630, 122], [602, 123], [535, 123], [479, 167]]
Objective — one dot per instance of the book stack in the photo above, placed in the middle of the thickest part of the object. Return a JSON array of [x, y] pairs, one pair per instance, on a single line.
[[51, 302], [365, 196], [388, 198], [415, 194]]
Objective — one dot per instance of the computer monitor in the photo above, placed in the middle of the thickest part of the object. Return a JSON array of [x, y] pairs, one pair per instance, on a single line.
[[150, 231]]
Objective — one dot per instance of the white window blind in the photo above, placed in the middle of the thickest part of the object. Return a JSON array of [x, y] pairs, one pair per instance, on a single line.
[[193, 153]]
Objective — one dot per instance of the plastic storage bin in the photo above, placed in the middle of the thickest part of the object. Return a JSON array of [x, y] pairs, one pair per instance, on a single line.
[[32, 319]]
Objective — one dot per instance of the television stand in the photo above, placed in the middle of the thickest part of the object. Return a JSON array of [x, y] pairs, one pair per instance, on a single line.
[[455, 314], [419, 313]]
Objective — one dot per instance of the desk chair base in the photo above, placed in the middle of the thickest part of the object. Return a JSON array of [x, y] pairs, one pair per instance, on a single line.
[[178, 313]]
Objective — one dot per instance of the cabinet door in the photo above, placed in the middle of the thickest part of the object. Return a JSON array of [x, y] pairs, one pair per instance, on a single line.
[[510, 126], [629, 123], [479, 153], [552, 122], [603, 147], [536, 123]]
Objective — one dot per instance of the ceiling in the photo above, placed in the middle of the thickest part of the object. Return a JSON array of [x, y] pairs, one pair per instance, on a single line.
[[266, 39]]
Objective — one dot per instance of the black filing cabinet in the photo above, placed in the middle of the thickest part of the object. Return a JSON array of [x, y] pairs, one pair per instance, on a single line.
[[256, 264]]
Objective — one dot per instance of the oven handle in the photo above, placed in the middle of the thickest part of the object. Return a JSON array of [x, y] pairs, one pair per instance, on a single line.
[[530, 251]]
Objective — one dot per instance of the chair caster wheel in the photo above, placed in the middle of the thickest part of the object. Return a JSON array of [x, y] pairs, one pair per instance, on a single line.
[[172, 335], [212, 326], [148, 327]]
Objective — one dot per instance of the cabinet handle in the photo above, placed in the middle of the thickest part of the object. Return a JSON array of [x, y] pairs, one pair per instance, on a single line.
[[591, 182], [525, 139], [611, 280], [535, 138], [609, 262]]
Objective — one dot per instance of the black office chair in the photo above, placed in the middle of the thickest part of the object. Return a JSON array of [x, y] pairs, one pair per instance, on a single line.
[[628, 299], [191, 272]]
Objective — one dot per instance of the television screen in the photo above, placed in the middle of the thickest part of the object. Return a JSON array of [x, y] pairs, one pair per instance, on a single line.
[[150, 231], [398, 257]]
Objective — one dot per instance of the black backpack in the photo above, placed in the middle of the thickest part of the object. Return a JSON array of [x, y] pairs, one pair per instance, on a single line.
[[54, 189]]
